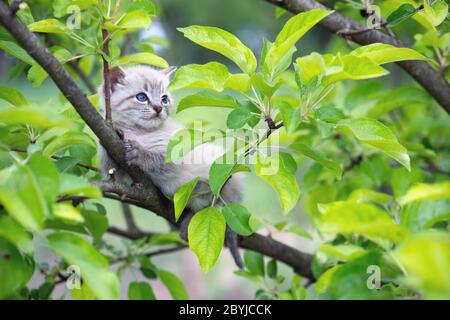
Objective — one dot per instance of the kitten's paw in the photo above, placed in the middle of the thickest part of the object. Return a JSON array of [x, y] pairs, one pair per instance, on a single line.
[[119, 132], [131, 152]]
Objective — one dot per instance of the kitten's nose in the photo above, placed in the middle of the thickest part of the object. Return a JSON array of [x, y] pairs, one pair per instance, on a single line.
[[157, 109]]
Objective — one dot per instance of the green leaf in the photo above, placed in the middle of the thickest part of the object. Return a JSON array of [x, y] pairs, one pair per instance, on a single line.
[[13, 96], [329, 114], [60, 7], [377, 135], [93, 266], [381, 53], [310, 67], [348, 217], [343, 252], [292, 31], [279, 12], [77, 185], [13, 232], [37, 74], [32, 116], [238, 118], [206, 233], [140, 291], [22, 198], [15, 272], [145, 5], [46, 175], [219, 173], [68, 213], [421, 215], [254, 262], [292, 117], [49, 26], [67, 140], [224, 43], [238, 217], [279, 170], [399, 97], [182, 195], [426, 259], [436, 13], [96, 222], [323, 283], [147, 268], [136, 19], [83, 293], [272, 269], [350, 281], [173, 284], [212, 75], [352, 68], [295, 229], [16, 51], [424, 191], [207, 98], [367, 195], [238, 82], [403, 12], [315, 155], [249, 276], [142, 58]]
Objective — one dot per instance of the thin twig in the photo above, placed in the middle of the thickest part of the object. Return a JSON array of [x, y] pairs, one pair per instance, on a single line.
[[106, 75], [129, 219]]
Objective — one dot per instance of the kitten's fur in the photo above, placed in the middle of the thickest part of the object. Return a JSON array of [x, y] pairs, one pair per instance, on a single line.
[[146, 135]]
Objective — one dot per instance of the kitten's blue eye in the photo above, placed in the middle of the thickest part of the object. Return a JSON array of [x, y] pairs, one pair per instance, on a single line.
[[165, 99], [141, 97]]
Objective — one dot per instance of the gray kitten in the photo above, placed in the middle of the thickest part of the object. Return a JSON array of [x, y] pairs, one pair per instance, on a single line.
[[141, 106]]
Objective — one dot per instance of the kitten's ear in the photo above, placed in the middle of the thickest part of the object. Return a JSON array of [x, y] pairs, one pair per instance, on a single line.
[[168, 72], [117, 74]]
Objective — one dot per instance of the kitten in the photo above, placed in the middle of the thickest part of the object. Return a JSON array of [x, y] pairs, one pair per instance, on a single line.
[[140, 107]]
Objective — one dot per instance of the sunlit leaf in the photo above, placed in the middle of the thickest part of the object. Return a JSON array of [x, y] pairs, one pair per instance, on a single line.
[[426, 258], [348, 217], [424, 191], [224, 43], [237, 217], [206, 233], [173, 284], [376, 134], [181, 197]]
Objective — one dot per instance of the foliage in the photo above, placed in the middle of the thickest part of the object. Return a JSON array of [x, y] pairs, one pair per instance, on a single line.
[[366, 162]]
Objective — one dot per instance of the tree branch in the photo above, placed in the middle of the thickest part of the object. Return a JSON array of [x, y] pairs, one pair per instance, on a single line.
[[299, 261], [106, 76], [148, 197], [421, 71]]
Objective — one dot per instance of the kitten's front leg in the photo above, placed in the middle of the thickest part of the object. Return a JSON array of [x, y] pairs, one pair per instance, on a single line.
[[133, 153]]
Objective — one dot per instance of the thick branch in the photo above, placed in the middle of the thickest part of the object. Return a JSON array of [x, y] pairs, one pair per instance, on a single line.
[[148, 197], [424, 74], [299, 261]]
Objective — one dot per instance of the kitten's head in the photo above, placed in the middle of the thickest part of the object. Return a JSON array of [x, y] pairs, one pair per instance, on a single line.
[[139, 96]]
